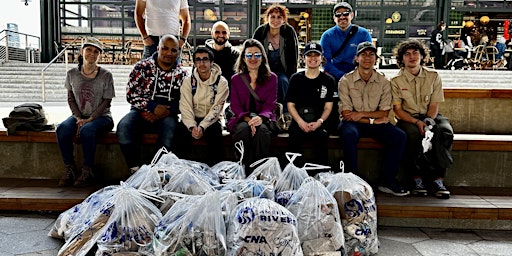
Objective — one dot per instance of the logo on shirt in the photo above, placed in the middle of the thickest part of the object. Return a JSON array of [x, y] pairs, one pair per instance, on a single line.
[[323, 92]]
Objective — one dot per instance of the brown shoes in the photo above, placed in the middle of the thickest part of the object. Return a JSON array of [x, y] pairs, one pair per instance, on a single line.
[[86, 178], [69, 176]]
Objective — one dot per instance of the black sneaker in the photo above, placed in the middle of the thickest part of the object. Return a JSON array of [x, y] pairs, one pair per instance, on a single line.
[[440, 190], [419, 189], [394, 189]]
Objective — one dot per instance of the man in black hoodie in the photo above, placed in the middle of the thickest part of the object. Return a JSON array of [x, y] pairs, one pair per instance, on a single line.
[[224, 55]]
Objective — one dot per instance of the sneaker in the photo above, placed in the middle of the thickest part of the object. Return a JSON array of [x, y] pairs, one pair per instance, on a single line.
[[440, 190], [418, 188], [68, 178], [85, 179], [394, 189]]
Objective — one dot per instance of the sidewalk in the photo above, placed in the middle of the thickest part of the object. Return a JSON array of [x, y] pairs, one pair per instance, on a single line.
[[25, 234]]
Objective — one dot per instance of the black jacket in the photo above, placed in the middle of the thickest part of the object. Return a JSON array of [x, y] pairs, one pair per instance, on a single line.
[[225, 58], [290, 52]]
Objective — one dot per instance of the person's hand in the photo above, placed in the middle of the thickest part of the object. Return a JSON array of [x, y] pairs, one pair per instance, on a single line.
[[148, 41], [254, 122], [353, 116], [161, 111], [421, 126], [314, 125], [197, 132], [150, 117], [304, 126]]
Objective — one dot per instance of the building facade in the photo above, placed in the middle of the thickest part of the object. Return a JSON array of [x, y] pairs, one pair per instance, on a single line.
[[389, 21]]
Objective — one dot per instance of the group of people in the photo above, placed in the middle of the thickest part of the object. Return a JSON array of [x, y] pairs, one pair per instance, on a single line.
[[253, 80]]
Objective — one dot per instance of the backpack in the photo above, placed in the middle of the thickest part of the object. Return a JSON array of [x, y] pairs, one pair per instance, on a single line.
[[26, 117]]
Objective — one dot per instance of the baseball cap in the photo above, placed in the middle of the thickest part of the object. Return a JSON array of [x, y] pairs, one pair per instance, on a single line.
[[342, 5], [313, 47], [364, 46], [94, 42]]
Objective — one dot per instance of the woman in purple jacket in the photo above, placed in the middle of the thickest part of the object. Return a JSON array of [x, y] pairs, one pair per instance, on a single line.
[[252, 115]]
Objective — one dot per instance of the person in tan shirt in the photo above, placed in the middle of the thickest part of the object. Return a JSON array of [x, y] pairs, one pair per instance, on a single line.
[[417, 92], [203, 95], [365, 97]]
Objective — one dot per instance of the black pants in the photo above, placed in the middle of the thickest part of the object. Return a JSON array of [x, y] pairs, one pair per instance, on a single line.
[[213, 138], [414, 148], [297, 137], [255, 147]]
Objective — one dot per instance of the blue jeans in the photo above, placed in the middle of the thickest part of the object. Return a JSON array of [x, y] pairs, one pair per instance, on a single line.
[[282, 87], [129, 134], [392, 137], [66, 132]]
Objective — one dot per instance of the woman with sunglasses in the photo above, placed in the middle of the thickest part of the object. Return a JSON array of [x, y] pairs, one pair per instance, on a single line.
[[90, 92], [253, 100], [280, 42]]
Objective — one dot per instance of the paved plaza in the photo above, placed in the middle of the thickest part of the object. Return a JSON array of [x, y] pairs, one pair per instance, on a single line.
[[25, 234]]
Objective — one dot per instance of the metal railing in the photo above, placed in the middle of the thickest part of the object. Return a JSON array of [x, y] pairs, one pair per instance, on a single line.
[[16, 46], [63, 51]]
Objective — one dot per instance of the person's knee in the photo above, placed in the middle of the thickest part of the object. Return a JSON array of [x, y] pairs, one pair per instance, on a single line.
[[64, 130]]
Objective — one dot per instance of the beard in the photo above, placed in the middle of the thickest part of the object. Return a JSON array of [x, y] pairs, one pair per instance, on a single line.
[[220, 41]]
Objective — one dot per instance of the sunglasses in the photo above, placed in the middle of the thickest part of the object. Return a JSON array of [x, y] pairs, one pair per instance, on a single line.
[[221, 32], [198, 60], [339, 14], [256, 55]]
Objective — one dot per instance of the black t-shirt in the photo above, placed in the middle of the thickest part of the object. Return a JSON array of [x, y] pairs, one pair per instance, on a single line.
[[306, 92]]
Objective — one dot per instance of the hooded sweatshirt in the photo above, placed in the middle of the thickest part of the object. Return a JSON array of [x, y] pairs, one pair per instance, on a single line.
[[149, 86], [205, 104]]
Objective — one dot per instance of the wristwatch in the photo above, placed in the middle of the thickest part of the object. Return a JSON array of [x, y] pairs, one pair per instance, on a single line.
[[371, 120]]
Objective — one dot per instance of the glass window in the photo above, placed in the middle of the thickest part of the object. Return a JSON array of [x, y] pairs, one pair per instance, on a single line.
[[427, 16], [423, 3], [396, 2], [490, 4], [395, 17], [367, 15], [368, 3], [205, 14]]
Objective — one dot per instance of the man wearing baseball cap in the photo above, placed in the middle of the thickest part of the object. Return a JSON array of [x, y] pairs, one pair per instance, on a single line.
[[310, 99], [339, 59], [365, 96]]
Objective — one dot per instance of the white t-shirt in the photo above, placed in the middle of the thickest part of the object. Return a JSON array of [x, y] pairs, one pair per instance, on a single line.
[[162, 16]]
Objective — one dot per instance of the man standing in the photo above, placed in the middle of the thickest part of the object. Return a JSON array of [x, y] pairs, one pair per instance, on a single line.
[[203, 95], [417, 92], [339, 44], [154, 93], [365, 96], [224, 55], [340, 60], [155, 18]]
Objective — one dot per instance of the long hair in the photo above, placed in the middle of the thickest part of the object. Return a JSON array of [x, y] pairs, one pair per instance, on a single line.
[[402, 47], [263, 70]]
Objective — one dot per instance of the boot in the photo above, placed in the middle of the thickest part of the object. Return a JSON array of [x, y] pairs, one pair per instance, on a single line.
[[86, 178], [69, 176]]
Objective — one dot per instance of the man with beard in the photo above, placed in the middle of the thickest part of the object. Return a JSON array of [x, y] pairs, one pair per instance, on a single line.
[[224, 55], [154, 93]]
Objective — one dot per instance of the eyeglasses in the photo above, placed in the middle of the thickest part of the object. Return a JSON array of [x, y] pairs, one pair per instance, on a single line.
[[256, 55], [221, 32], [339, 14], [198, 60]]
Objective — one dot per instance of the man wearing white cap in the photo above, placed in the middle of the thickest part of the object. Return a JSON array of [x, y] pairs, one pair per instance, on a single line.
[[365, 96], [310, 100]]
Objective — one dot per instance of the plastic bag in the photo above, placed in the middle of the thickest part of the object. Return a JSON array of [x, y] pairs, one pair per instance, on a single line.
[[201, 169], [290, 180], [358, 211], [131, 224], [260, 226], [186, 182], [266, 169], [77, 215], [147, 178], [248, 188], [318, 219], [193, 226], [227, 170]]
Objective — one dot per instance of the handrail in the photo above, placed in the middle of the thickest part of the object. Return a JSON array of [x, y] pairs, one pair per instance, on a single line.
[[63, 51]]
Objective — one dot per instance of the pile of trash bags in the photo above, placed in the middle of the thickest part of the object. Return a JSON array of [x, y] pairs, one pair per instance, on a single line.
[[180, 207]]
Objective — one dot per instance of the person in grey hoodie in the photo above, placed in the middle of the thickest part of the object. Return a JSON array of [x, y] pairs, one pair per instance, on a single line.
[[203, 95], [224, 54]]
